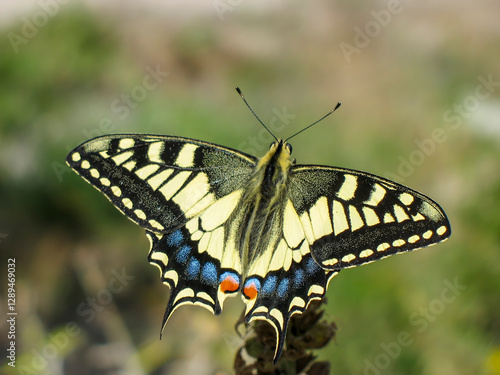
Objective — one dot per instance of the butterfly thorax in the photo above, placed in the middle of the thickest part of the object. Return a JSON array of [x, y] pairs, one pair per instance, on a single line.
[[263, 203]]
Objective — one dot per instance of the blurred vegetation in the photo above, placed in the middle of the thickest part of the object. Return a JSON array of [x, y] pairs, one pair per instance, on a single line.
[[69, 243]]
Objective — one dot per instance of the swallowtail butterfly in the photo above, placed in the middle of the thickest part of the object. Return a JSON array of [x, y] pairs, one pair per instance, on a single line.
[[222, 222]]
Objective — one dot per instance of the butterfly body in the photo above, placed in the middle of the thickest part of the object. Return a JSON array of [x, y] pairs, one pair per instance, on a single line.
[[222, 222]]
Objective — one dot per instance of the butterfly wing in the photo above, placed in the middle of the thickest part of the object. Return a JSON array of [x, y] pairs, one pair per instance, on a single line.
[[351, 218], [181, 191], [334, 218], [284, 284]]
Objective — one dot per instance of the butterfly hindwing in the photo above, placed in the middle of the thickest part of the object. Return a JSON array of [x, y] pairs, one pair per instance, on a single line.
[[351, 218], [193, 277], [282, 293]]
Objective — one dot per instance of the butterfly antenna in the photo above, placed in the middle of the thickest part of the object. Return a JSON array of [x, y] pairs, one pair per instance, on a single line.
[[315, 122], [251, 110]]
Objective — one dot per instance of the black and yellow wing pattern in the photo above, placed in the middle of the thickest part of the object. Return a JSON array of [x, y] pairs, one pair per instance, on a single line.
[[222, 222]]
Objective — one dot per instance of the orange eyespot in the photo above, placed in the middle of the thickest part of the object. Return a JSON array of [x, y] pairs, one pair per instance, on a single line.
[[250, 291], [229, 284]]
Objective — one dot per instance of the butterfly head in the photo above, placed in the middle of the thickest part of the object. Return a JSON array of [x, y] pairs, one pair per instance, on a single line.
[[279, 155]]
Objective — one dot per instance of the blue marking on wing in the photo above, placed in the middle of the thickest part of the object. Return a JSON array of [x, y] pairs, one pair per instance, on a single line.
[[283, 288], [312, 267], [209, 274], [298, 278], [175, 238], [229, 274], [254, 281], [182, 254], [269, 285], [193, 268]]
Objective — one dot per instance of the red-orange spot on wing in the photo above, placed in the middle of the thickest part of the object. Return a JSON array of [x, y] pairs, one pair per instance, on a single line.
[[229, 284], [250, 291]]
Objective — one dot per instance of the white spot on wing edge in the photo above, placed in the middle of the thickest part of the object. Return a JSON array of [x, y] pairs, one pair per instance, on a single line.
[[206, 297], [160, 257], [105, 181], [116, 191], [278, 316], [413, 238], [365, 253], [156, 225], [94, 173], [348, 258], [261, 309], [171, 275], [398, 243], [441, 230], [186, 292], [297, 301], [383, 246], [316, 289], [127, 203], [140, 214], [427, 234], [330, 262], [76, 156]]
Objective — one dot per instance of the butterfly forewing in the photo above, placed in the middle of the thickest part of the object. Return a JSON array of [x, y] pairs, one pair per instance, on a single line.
[[351, 218], [160, 182]]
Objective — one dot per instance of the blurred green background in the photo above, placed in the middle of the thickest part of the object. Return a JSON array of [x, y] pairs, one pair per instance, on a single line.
[[420, 87]]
